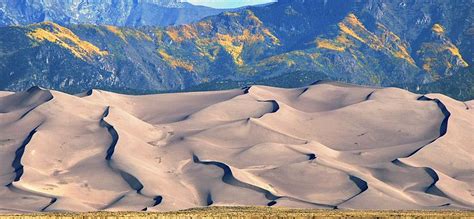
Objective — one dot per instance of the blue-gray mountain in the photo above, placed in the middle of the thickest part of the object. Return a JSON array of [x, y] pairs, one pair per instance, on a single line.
[[111, 12], [416, 44]]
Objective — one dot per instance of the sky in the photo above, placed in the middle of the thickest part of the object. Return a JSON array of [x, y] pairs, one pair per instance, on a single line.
[[227, 3]]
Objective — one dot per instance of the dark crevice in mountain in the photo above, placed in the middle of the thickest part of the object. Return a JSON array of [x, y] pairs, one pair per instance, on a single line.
[[360, 183], [275, 106], [19, 190], [246, 89], [229, 178], [53, 200], [443, 129], [113, 202], [311, 156], [132, 181], [29, 99], [431, 188], [209, 200], [444, 124], [113, 133], [158, 200], [46, 96], [16, 164], [303, 91], [269, 204], [370, 95], [89, 92]]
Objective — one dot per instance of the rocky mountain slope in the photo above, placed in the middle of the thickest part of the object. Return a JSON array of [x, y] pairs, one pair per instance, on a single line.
[[460, 85], [327, 146], [107, 12], [397, 43]]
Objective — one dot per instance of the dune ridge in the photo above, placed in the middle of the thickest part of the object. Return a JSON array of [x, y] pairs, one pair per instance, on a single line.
[[325, 146]]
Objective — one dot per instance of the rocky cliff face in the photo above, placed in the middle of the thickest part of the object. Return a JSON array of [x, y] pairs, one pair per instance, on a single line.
[[111, 12], [399, 43]]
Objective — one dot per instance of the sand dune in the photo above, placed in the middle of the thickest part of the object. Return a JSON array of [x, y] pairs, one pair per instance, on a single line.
[[327, 146]]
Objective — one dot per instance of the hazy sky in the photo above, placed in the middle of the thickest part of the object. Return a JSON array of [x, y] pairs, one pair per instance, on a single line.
[[227, 3]]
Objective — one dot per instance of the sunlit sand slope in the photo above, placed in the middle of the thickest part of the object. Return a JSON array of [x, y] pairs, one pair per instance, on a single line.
[[328, 146]]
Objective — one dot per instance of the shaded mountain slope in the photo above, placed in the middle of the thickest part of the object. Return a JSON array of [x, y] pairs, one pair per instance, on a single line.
[[460, 85]]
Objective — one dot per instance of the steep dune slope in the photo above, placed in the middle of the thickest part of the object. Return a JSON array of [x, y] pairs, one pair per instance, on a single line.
[[328, 145]]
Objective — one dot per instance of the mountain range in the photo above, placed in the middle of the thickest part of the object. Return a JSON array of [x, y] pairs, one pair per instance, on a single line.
[[111, 12], [415, 44]]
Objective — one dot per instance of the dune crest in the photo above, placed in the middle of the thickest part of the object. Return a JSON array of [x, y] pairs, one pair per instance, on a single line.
[[328, 145]]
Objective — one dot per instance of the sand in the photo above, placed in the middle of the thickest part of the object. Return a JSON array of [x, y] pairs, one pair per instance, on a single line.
[[326, 146]]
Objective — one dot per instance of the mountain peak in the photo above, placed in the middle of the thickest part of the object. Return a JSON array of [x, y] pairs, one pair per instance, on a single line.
[[106, 12]]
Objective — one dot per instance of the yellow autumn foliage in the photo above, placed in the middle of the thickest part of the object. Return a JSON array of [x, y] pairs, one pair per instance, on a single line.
[[353, 30], [400, 51], [288, 59], [189, 32], [437, 28], [253, 17], [403, 54], [174, 35], [138, 35], [175, 63], [116, 31], [455, 52], [65, 38], [205, 26], [233, 43], [347, 30], [269, 34], [327, 44], [439, 57], [234, 49], [249, 37], [354, 24], [344, 40]]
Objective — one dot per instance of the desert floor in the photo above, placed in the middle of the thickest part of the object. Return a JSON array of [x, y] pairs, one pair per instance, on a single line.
[[253, 212]]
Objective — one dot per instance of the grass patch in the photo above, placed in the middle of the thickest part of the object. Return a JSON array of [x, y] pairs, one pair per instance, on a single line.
[[255, 212]]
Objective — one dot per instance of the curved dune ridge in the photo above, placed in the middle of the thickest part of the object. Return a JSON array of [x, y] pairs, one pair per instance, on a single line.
[[329, 145]]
